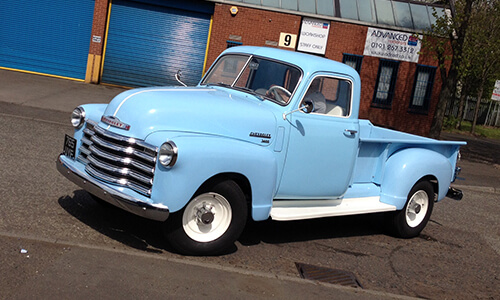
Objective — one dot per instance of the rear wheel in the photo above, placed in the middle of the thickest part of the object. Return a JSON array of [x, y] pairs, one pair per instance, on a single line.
[[412, 219], [211, 222]]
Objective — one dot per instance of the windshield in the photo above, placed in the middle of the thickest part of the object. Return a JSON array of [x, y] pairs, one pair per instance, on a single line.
[[273, 80]]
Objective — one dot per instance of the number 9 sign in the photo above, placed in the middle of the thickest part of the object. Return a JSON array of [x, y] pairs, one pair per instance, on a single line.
[[288, 40]]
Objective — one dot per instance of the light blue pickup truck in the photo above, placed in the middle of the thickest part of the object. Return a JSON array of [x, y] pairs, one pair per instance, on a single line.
[[267, 133]]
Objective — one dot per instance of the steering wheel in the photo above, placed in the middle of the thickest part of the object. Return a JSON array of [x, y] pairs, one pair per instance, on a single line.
[[277, 96]]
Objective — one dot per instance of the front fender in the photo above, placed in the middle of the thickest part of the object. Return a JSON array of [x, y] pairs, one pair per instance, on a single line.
[[201, 157], [406, 167]]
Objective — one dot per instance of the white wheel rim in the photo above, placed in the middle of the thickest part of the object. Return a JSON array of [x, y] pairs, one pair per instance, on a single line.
[[417, 208], [219, 208]]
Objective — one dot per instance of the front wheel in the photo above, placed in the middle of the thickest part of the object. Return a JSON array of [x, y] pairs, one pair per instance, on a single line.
[[411, 220], [211, 222]]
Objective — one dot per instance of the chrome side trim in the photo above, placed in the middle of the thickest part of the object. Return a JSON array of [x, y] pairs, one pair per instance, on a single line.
[[157, 212]]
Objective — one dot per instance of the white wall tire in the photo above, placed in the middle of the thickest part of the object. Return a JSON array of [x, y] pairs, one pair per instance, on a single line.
[[211, 222], [413, 218], [205, 230], [416, 209]]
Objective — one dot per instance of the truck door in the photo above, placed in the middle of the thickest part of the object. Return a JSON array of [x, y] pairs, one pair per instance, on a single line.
[[323, 144]]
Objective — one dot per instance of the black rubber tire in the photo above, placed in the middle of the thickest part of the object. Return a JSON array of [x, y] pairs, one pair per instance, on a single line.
[[176, 235], [402, 227]]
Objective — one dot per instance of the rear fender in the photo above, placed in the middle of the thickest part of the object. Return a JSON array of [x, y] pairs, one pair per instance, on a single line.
[[202, 157], [406, 167]]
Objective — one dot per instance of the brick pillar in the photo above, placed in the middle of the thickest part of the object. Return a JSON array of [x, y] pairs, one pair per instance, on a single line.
[[94, 61]]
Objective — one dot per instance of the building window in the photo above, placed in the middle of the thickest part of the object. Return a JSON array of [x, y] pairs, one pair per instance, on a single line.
[[422, 89], [386, 83], [353, 61], [230, 44]]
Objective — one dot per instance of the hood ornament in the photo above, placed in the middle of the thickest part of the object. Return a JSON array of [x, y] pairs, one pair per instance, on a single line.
[[115, 122]]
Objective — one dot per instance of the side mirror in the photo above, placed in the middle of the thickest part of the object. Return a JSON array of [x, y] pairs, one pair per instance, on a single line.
[[307, 107], [178, 76]]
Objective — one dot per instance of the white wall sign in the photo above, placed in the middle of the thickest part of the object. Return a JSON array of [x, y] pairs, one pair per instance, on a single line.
[[496, 91], [313, 36], [288, 40], [392, 44]]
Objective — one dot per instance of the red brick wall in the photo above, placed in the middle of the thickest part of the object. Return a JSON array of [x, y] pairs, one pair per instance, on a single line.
[[255, 27]]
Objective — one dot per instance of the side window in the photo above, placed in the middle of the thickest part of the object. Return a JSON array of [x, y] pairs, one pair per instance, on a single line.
[[386, 83], [330, 96], [422, 89]]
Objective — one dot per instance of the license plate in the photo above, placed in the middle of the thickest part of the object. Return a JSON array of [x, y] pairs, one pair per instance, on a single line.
[[69, 146]]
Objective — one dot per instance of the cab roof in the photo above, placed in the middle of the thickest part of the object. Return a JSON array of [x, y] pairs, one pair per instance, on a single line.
[[308, 63]]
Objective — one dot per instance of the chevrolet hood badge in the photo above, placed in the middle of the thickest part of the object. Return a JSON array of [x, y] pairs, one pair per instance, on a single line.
[[115, 122]]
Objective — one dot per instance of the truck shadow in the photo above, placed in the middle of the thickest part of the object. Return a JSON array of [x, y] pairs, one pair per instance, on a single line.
[[146, 235], [276, 232], [119, 225]]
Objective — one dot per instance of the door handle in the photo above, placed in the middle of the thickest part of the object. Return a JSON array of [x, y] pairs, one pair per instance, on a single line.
[[351, 131]]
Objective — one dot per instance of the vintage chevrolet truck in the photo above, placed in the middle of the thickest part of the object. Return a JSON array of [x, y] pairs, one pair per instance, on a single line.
[[267, 133]]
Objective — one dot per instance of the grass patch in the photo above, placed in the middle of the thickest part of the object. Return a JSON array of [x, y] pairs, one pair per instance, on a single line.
[[482, 131]]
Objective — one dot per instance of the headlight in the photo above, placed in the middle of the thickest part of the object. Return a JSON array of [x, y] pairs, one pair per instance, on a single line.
[[168, 154], [78, 117]]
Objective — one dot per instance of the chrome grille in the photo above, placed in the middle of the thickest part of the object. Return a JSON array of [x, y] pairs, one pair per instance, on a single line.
[[118, 159]]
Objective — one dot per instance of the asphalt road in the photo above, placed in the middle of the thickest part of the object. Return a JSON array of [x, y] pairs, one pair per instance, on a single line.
[[79, 249]]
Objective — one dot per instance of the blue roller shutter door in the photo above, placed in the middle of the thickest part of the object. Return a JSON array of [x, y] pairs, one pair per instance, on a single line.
[[147, 44], [46, 36]]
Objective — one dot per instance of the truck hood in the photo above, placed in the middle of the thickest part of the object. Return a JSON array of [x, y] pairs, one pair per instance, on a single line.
[[213, 111]]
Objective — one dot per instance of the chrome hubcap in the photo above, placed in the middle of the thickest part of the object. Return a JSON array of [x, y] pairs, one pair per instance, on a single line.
[[205, 214]]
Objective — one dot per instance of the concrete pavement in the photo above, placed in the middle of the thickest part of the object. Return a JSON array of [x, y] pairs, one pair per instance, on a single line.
[[51, 93]]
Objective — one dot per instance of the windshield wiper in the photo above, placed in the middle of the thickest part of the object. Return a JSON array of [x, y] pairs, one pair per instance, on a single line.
[[249, 90], [239, 88]]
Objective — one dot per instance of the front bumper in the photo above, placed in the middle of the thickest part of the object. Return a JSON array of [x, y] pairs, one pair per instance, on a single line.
[[112, 196]]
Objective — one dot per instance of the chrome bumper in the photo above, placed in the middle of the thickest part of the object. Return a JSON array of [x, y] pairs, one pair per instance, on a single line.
[[112, 196]]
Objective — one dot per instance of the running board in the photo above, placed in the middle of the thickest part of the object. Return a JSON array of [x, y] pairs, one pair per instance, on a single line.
[[288, 210]]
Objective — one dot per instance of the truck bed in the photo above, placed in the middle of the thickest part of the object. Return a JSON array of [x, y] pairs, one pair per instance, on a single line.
[[377, 144]]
